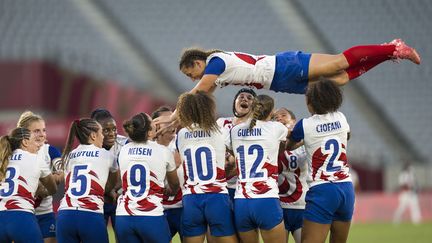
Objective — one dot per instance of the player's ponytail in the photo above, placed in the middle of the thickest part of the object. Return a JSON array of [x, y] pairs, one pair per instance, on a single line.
[[8, 144], [193, 54], [81, 129], [138, 127], [261, 109], [27, 118]]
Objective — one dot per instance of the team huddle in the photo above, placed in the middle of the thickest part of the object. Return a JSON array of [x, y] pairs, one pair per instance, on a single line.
[[187, 172]]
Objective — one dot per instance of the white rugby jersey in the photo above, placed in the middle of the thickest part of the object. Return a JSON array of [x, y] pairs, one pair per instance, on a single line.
[[44, 206], [325, 140], [86, 176], [256, 153], [203, 160], [176, 200], [143, 167], [227, 123], [292, 178], [18, 188], [245, 69]]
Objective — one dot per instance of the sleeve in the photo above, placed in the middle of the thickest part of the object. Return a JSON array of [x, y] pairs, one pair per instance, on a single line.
[[346, 122], [215, 66], [171, 166], [282, 131], [297, 134], [113, 161], [53, 152], [44, 167], [228, 140]]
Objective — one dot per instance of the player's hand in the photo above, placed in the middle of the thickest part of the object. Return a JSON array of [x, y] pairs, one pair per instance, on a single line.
[[173, 125], [163, 119]]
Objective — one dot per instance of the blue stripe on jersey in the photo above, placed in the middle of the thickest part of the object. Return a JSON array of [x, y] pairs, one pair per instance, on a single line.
[[53, 152], [297, 133], [215, 66]]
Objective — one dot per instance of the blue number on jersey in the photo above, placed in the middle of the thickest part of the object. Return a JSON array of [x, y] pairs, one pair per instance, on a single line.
[[79, 180], [138, 183], [335, 144], [196, 161], [293, 162], [260, 155], [9, 183]]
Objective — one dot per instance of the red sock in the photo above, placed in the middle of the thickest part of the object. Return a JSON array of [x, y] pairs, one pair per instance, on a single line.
[[355, 71], [359, 54]]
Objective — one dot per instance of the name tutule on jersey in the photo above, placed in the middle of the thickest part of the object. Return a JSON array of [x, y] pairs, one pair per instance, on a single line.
[[86, 175]]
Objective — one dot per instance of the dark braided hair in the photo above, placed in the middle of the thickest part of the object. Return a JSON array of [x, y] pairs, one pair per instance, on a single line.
[[262, 107], [193, 54]]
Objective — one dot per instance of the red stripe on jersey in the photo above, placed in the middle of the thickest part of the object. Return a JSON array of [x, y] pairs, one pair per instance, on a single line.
[[243, 184], [96, 189], [88, 204], [145, 205], [124, 183], [272, 170], [284, 187], [22, 179], [212, 188], [12, 204], [93, 174], [126, 203], [220, 174], [26, 195], [261, 187], [318, 159], [296, 195], [155, 189]]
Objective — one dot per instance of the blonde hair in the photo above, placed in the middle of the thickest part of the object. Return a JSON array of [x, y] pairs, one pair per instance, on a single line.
[[8, 144], [262, 107], [27, 118]]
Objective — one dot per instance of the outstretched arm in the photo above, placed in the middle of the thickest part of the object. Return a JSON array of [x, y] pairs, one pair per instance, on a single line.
[[206, 84]]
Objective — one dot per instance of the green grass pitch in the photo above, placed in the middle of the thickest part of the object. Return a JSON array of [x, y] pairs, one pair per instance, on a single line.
[[376, 232]]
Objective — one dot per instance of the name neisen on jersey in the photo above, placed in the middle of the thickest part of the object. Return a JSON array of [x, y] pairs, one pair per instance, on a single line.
[[143, 168]]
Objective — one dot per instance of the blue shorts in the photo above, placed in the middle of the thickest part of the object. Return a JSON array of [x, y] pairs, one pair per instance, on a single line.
[[262, 213], [174, 217], [47, 224], [19, 226], [291, 72], [212, 209], [330, 202], [131, 229], [81, 226], [110, 212], [293, 219]]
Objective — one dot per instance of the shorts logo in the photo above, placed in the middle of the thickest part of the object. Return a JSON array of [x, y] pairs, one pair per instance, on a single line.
[[52, 228]]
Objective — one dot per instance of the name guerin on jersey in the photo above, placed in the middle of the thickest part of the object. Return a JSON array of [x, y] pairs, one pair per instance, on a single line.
[[197, 134], [249, 132], [327, 127], [140, 151]]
